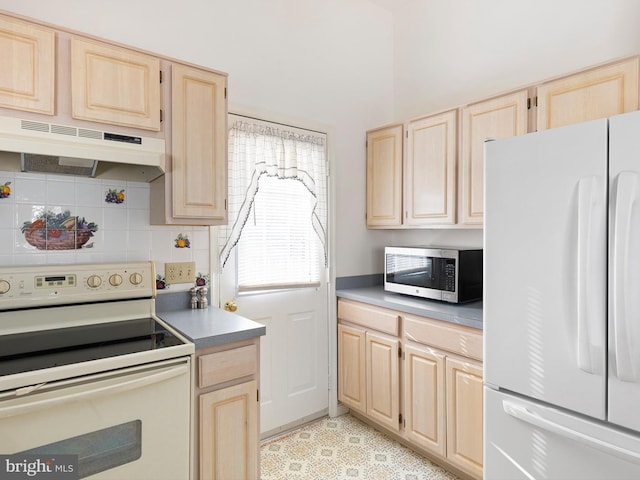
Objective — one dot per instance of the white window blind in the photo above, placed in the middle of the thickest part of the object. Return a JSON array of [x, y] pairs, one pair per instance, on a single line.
[[277, 206], [278, 247]]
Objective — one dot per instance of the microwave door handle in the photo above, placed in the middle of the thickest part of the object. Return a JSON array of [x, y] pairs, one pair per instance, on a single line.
[[524, 414], [30, 405], [589, 228], [626, 193]]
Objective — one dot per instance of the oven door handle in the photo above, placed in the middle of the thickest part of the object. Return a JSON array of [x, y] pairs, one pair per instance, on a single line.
[[30, 405]]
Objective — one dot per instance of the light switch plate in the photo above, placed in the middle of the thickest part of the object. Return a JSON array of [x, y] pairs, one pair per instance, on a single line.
[[180, 272]]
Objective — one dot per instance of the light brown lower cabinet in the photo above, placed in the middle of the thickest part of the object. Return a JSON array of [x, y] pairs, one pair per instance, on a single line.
[[424, 416], [352, 389], [464, 414], [382, 367], [422, 384], [227, 412], [369, 374]]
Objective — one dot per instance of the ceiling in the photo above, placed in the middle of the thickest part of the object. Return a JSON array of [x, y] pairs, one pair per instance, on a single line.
[[391, 5]]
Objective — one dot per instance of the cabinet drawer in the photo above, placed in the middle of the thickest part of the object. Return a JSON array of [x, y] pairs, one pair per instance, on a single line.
[[223, 366], [377, 318], [462, 340]]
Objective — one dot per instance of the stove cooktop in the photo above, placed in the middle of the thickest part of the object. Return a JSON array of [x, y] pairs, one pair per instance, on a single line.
[[23, 352]]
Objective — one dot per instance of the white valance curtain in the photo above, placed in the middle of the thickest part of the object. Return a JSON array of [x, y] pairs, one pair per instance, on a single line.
[[256, 149]]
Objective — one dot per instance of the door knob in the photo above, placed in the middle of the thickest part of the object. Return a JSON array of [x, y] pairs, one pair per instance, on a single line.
[[230, 306]]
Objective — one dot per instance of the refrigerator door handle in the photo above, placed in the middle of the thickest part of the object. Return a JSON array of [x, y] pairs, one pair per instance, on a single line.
[[588, 227], [522, 413], [626, 193]]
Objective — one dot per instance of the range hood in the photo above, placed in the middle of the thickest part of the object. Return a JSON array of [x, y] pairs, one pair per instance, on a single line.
[[33, 146]]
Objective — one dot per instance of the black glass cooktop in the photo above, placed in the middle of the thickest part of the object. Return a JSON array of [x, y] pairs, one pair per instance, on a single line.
[[24, 352]]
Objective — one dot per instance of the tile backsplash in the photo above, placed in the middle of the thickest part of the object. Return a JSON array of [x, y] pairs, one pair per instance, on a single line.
[[117, 210]]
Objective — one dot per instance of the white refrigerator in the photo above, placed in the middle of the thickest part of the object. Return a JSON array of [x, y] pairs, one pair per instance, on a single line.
[[562, 303]]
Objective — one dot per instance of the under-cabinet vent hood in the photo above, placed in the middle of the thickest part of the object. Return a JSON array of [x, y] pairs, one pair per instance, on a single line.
[[32, 146]]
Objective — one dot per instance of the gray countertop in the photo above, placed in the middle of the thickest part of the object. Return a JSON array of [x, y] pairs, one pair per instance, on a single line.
[[467, 314], [207, 327]]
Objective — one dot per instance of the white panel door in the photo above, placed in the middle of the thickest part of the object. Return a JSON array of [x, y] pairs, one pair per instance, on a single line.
[[294, 368], [545, 266], [624, 270]]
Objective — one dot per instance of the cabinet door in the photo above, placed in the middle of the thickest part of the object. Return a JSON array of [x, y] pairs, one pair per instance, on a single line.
[[383, 388], [597, 93], [27, 66], [384, 176], [114, 85], [500, 117], [424, 395], [229, 433], [464, 415], [351, 368], [430, 170], [199, 145]]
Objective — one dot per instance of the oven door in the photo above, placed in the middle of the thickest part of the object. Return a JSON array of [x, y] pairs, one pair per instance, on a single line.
[[125, 424]]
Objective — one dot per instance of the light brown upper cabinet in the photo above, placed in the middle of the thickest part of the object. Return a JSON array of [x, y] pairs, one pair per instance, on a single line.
[[430, 170], [384, 176], [199, 145], [500, 117], [114, 85], [596, 93], [27, 66]]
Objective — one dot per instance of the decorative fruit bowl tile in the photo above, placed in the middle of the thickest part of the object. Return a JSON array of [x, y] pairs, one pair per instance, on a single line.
[[61, 231]]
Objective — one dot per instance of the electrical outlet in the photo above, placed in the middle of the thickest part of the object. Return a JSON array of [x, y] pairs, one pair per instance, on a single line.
[[180, 272]]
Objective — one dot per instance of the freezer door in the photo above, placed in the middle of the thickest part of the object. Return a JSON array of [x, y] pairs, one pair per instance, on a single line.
[[624, 270], [526, 440], [545, 266]]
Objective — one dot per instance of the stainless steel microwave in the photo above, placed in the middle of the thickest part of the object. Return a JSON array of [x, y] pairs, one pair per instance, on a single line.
[[450, 275]]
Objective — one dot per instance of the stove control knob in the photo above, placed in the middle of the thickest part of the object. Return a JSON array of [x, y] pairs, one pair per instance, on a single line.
[[135, 278], [4, 286], [115, 280], [94, 281]]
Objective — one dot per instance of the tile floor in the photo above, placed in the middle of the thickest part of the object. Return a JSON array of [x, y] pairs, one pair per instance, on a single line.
[[343, 448]]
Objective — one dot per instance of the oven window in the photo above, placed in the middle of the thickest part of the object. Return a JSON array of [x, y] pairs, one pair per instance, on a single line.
[[100, 450], [425, 272]]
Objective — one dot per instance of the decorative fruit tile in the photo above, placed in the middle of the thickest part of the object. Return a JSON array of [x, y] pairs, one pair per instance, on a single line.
[[182, 241], [202, 280], [161, 284], [5, 190], [114, 195]]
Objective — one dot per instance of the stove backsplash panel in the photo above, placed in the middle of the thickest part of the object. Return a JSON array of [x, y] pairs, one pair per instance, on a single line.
[[47, 219]]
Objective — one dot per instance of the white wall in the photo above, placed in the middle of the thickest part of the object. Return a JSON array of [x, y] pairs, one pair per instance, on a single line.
[[325, 61], [450, 52]]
